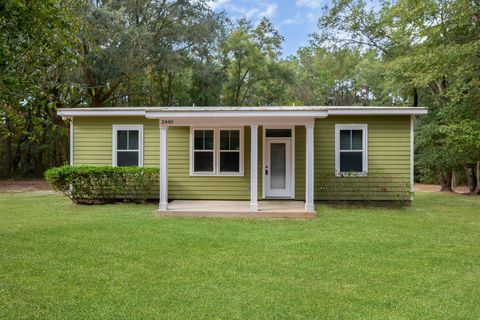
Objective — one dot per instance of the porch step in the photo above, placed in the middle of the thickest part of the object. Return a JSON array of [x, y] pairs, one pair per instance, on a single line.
[[209, 208]]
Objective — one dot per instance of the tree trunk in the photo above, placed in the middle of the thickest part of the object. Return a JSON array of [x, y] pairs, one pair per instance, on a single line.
[[446, 182], [8, 149], [470, 178], [477, 189], [454, 180]]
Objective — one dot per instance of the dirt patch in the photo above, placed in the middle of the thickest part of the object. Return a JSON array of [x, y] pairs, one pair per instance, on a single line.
[[420, 187], [23, 186]]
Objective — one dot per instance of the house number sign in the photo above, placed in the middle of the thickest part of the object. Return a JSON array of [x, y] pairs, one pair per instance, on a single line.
[[166, 121]]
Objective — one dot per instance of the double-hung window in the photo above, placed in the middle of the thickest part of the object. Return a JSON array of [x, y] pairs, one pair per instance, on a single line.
[[203, 151], [127, 145], [351, 149], [216, 151]]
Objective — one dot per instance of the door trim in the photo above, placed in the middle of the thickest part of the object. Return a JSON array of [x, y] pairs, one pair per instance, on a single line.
[[292, 160]]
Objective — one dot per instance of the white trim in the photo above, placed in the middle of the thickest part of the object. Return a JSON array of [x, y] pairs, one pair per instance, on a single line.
[[309, 168], [163, 178], [265, 111], [279, 193], [216, 153], [235, 113], [354, 126], [265, 160], [117, 127], [254, 168], [412, 154], [71, 142], [357, 111], [99, 112]]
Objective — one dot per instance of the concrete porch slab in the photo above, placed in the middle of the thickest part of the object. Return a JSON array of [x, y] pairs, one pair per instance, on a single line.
[[210, 208]]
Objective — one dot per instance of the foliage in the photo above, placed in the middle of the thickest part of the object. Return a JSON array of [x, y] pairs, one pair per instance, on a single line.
[[373, 186], [160, 53], [252, 55], [431, 49], [89, 184]]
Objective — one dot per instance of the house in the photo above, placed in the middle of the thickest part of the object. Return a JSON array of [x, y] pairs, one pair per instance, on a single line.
[[303, 153]]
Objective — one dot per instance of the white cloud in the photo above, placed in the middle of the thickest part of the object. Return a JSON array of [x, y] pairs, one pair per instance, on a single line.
[[312, 4], [252, 10], [269, 11], [298, 19], [312, 17], [216, 4]]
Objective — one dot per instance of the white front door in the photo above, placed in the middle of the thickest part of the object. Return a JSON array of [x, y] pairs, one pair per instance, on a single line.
[[277, 171]]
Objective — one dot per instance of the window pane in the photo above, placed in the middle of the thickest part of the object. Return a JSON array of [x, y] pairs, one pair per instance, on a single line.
[[198, 139], [277, 133], [225, 140], [357, 141], [229, 139], [129, 158], [122, 139], [133, 139], [203, 161], [351, 162], [345, 140], [234, 139], [278, 166], [208, 144], [229, 161]]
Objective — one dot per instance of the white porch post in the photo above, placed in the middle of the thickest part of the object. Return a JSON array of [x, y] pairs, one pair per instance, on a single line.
[[163, 168], [253, 167], [309, 205]]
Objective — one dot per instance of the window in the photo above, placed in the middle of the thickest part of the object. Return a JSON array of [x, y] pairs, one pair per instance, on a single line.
[[351, 149], [229, 151], [203, 151], [216, 152], [278, 133], [127, 145]]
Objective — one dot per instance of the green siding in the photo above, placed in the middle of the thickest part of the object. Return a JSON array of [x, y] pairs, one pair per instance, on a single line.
[[93, 146], [388, 160], [388, 157]]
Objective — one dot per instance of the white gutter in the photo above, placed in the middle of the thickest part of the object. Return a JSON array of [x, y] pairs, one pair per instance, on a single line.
[[98, 112], [279, 111], [384, 111], [223, 114]]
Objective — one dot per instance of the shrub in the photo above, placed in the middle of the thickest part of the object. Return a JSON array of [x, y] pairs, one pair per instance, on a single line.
[[373, 186], [92, 184]]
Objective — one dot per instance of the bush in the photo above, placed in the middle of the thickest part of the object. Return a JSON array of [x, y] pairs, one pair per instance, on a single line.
[[91, 184], [373, 186]]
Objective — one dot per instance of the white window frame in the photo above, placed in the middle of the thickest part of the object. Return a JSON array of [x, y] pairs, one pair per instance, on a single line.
[[355, 126], [132, 127], [216, 152]]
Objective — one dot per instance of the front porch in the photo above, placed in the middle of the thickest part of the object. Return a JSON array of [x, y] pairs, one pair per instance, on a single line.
[[212, 208], [272, 139]]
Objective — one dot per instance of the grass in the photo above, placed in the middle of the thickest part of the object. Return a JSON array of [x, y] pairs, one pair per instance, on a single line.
[[62, 261]]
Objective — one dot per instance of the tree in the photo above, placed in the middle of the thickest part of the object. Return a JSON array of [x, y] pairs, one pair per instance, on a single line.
[[37, 42], [432, 47], [251, 56]]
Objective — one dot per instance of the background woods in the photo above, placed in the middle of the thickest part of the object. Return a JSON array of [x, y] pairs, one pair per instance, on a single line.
[[178, 52]]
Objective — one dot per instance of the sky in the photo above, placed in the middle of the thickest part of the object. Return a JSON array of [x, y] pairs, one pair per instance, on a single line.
[[295, 19]]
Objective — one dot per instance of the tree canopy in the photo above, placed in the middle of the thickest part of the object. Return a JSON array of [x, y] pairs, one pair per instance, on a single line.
[[107, 53]]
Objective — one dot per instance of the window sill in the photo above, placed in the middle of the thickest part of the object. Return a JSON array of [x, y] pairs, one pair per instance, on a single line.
[[351, 174], [216, 174]]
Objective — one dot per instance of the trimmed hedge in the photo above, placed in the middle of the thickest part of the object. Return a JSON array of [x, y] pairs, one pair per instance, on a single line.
[[92, 184]]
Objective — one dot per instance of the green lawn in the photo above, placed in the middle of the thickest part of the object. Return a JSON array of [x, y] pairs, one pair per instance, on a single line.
[[62, 261]]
